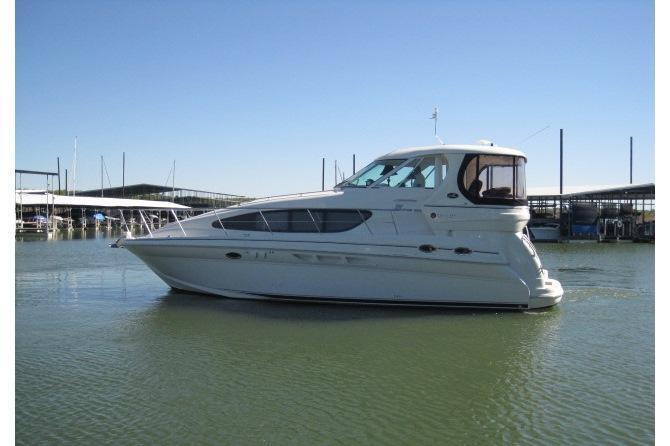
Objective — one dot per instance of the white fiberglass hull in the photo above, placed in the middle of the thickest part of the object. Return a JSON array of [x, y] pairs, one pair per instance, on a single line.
[[342, 272], [438, 226]]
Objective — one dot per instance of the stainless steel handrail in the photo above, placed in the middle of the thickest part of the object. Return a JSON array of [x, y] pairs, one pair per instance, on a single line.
[[221, 223], [145, 224], [174, 214], [123, 220]]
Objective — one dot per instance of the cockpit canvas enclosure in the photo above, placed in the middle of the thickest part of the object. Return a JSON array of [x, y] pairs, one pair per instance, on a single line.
[[493, 179]]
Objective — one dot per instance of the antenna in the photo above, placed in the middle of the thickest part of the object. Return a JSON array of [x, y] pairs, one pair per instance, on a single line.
[[436, 112], [532, 135]]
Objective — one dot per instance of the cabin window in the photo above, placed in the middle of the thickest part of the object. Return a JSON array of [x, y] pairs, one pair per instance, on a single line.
[[494, 179], [401, 174], [244, 222], [416, 172], [339, 220], [296, 220], [372, 172], [423, 173], [290, 220]]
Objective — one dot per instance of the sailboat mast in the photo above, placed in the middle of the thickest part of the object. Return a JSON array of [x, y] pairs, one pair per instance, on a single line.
[[102, 183], [74, 169]]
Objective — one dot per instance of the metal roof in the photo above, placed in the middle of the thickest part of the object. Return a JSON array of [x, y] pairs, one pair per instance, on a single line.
[[94, 202], [142, 188], [646, 191]]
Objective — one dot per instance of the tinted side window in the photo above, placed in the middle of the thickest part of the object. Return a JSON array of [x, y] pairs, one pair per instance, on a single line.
[[245, 222], [339, 220], [296, 220]]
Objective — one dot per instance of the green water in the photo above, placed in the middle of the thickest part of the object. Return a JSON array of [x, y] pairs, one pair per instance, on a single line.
[[107, 354]]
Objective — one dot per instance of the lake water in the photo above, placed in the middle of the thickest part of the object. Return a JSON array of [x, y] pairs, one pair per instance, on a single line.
[[106, 353]]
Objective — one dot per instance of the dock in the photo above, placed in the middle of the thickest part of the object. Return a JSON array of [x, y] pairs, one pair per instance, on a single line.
[[601, 213]]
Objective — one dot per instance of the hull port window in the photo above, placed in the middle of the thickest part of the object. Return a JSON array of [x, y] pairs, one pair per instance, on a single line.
[[296, 220], [494, 179]]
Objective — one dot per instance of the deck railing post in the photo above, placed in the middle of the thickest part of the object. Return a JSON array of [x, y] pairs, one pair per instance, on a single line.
[[225, 232], [145, 223], [174, 214]]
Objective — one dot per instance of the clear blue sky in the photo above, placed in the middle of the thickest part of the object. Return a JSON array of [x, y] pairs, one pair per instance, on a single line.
[[248, 96]]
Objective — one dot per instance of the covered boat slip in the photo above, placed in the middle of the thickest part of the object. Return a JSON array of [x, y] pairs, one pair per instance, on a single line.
[[603, 213], [43, 212]]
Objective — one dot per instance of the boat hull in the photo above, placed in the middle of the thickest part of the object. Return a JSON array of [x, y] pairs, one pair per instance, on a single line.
[[341, 273], [545, 233]]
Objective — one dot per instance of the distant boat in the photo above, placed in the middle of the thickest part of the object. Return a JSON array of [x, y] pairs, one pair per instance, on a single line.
[[544, 231]]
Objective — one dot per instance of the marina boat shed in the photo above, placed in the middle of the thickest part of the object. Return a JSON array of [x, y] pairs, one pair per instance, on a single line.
[[188, 197], [645, 191], [640, 196], [595, 212], [66, 201], [38, 211]]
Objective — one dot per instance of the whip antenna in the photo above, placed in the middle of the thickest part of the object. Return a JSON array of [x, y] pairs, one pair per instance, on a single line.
[[532, 135]]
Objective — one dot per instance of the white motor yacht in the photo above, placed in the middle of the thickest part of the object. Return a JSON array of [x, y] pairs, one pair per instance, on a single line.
[[427, 226]]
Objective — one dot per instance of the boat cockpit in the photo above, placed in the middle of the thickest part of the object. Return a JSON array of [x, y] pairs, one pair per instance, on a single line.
[[482, 178]]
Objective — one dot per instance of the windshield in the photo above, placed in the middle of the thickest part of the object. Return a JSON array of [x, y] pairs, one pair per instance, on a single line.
[[422, 172], [371, 173]]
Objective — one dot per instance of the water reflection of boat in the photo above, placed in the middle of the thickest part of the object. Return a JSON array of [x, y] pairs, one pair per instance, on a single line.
[[435, 226]]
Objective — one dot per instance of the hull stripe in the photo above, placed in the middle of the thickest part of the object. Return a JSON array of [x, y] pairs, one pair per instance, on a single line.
[[414, 303], [169, 242]]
